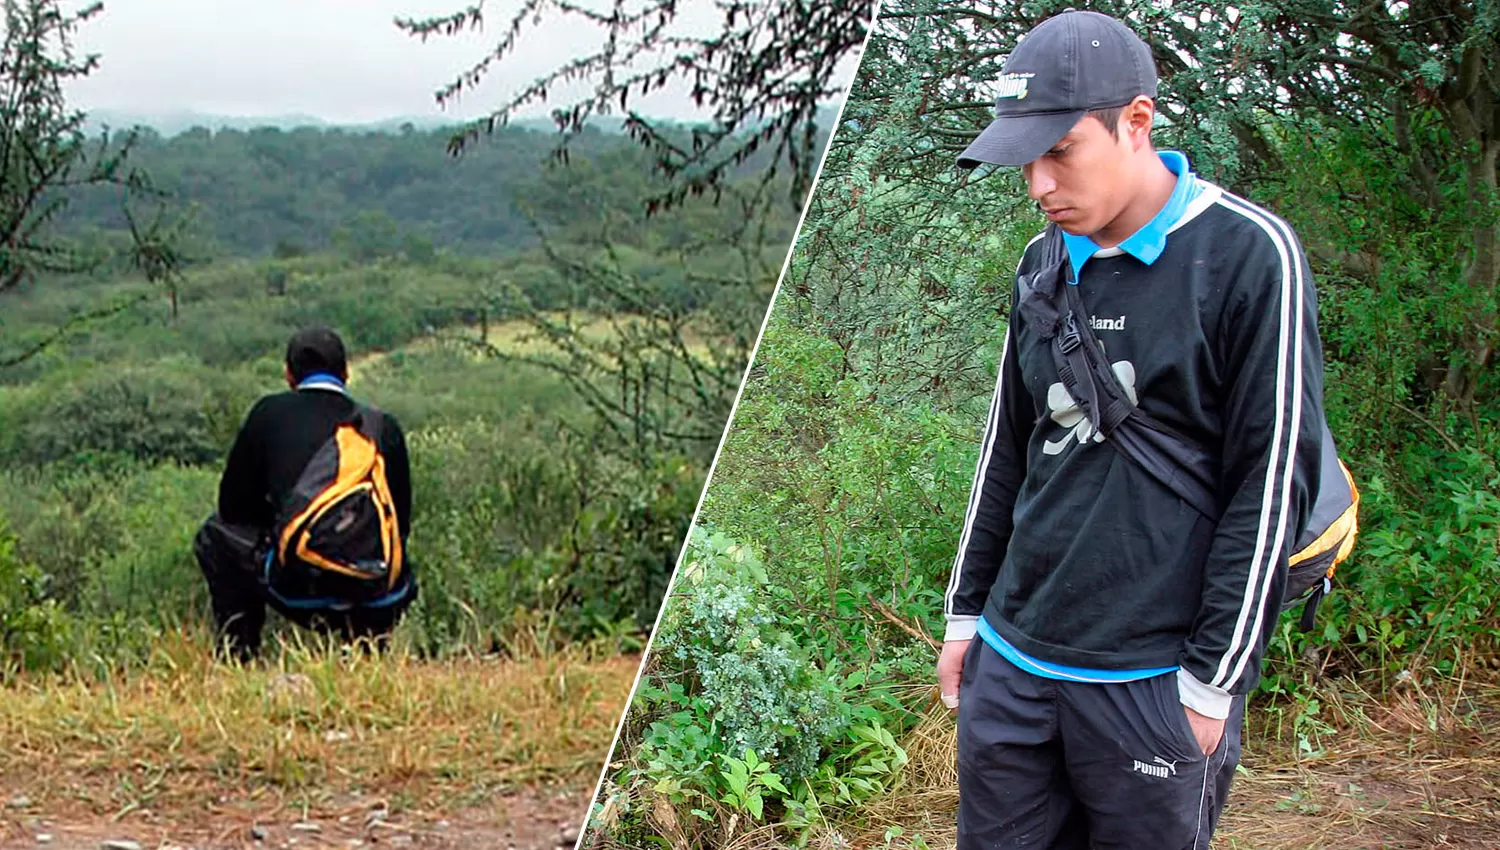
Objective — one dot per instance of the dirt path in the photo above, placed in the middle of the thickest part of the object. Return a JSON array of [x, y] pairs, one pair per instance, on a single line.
[[1413, 771], [536, 818]]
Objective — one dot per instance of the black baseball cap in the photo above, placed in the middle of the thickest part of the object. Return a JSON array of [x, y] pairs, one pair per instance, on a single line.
[[316, 349], [1067, 65]]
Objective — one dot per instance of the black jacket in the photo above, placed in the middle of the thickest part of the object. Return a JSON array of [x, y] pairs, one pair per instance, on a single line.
[[279, 436], [1077, 556]]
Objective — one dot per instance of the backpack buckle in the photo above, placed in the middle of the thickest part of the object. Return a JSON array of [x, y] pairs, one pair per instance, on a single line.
[[1071, 339]]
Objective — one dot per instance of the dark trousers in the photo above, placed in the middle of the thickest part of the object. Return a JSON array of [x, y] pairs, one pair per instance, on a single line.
[[1059, 765], [231, 556]]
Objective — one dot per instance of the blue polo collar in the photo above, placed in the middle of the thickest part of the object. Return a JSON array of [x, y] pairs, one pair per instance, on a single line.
[[1150, 241], [322, 381]]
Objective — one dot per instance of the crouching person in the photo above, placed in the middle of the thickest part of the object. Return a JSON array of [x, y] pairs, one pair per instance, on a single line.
[[314, 510]]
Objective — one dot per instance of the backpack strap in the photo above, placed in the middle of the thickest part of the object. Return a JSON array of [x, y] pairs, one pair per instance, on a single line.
[[1050, 302], [1077, 352], [369, 420], [1310, 608]]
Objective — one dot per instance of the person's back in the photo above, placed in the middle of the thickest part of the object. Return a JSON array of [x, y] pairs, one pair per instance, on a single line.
[[280, 437], [281, 434]]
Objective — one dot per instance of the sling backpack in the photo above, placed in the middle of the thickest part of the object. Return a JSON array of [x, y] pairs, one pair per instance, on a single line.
[[1049, 302], [337, 541]]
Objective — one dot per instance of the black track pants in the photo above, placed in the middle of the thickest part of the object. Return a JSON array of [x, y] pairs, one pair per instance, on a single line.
[[230, 559], [1059, 765]]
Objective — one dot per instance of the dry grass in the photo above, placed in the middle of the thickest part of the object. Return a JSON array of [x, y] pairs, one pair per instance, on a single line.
[[1417, 769], [520, 338], [185, 731]]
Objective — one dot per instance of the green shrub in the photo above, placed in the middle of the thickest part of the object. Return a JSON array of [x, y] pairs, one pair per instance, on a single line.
[[174, 410], [1422, 586], [113, 541], [531, 520], [34, 629], [756, 684], [736, 717]]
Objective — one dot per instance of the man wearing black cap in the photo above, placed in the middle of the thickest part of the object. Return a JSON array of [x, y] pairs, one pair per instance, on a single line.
[[279, 437], [1120, 628]]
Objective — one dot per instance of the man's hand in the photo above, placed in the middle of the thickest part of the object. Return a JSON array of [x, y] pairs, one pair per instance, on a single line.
[[1207, 730], [950, 669]]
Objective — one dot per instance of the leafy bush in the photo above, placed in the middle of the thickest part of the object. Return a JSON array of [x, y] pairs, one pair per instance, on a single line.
[[736, 717], [756, 684], [34, 629], [175, 410], [1423, 584], [532, 520], [846, 500], [113, 541]]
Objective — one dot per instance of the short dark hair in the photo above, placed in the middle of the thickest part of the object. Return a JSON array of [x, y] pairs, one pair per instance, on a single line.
[[1110, 118], [313, 350]]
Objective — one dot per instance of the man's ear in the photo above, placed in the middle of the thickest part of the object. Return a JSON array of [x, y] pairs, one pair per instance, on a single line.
[[290, 381], [1136, 120]]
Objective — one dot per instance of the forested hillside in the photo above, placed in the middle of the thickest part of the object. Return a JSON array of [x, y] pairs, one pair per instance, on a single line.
[[269, 191]]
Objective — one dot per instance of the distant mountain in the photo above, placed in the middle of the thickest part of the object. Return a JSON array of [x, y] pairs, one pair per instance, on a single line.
[[171, 123]]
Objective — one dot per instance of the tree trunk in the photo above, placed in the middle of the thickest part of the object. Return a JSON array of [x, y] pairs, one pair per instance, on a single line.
[[1476, 348]]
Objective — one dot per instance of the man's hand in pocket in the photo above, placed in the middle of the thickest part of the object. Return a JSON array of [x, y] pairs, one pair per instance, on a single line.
[[950, 668], [1207, 730]]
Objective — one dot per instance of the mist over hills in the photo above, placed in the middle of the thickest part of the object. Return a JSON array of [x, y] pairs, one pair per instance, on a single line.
[[169, 123]]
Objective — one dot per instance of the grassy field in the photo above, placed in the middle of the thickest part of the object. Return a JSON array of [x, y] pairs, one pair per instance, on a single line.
[[190, 752], [519, 338]]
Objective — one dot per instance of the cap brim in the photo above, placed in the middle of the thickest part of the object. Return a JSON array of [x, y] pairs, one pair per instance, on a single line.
[[1018, 139]]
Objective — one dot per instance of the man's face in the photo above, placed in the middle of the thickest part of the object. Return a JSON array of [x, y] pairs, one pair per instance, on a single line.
[[1086, 179]]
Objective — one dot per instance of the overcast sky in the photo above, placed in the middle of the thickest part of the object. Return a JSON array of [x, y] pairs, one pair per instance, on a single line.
[[339, 60]]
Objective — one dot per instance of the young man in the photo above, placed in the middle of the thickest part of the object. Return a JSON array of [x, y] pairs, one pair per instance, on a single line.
[[1119, 629], [275, 444]]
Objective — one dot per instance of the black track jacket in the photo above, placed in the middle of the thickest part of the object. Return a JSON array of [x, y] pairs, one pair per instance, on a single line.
[[1077, 556]]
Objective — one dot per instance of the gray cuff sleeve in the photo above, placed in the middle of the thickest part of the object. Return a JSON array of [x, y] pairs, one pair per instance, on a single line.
[[1207, 700], [961, 627]]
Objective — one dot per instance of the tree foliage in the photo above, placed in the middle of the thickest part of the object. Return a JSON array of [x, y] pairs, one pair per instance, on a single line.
[[45, 155], [762, 75], [679, 328], [269, 191]]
